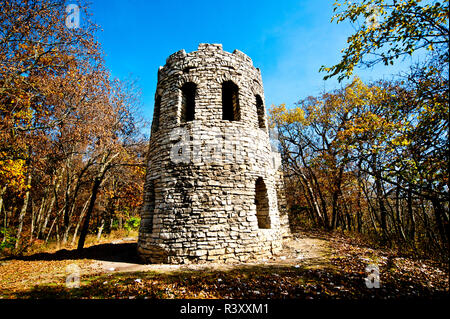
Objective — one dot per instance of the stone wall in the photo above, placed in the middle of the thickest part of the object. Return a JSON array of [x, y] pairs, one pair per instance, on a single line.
[[200, 190]]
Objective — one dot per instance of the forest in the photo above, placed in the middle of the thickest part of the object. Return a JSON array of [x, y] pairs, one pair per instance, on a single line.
[[72, 147], [367, 160], [372, 158]]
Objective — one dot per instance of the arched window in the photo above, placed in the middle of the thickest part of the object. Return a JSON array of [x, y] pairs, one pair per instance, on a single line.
[[260, 112], [262, 204], [156, 112], [230, 102], [188, 91]]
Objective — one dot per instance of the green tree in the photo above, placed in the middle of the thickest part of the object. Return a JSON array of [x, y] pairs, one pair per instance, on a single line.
[[388, 30]]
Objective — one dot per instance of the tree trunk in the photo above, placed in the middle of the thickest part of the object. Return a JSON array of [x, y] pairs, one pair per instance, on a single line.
[[39, 216], [399, 216], [67, 228], [95, 188], [336, 194], [358, 211], [56, 185], [100, 230], [33, 214], [2, 191], [23, 211], [349, 219], [85, 227], [334, 211], [442, 228], [412, 226], [68, 222], [66, 218], [315, 204], [380, 197], [55, 222], [57, 236], [83, 212]]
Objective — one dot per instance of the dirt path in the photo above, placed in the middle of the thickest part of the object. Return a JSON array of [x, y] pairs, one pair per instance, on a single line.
[[309, 266], [311, 252], [118, 257]]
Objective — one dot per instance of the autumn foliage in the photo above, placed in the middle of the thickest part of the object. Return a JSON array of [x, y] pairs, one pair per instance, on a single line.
[[372, 158], [71, 151], [367, 158]]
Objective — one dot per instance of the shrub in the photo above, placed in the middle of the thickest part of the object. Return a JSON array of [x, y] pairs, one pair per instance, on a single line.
[[132, 223], [8, 241]]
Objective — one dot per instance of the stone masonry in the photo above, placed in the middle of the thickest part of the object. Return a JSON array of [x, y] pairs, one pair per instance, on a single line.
[[214, 188]]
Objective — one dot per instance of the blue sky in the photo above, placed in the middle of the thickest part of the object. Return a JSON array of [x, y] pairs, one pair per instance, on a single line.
[[287, 39]]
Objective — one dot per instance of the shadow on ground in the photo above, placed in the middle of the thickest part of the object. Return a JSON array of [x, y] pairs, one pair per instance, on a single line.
[[249, 282], [123, 252]]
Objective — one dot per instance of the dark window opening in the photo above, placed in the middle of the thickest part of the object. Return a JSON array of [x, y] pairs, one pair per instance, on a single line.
[[262, 204], [230, 102], [188, 92], [156, 112], [148, 209], [188, 69], [260, 112]]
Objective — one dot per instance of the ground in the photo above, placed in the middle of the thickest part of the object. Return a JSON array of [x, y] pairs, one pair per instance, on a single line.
[[311, 266]]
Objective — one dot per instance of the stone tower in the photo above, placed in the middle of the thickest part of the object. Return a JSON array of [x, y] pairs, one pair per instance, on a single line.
[[213, 189]]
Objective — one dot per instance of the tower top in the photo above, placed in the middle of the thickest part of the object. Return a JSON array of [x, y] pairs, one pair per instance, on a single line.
[[205, 50], [209, 85]]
